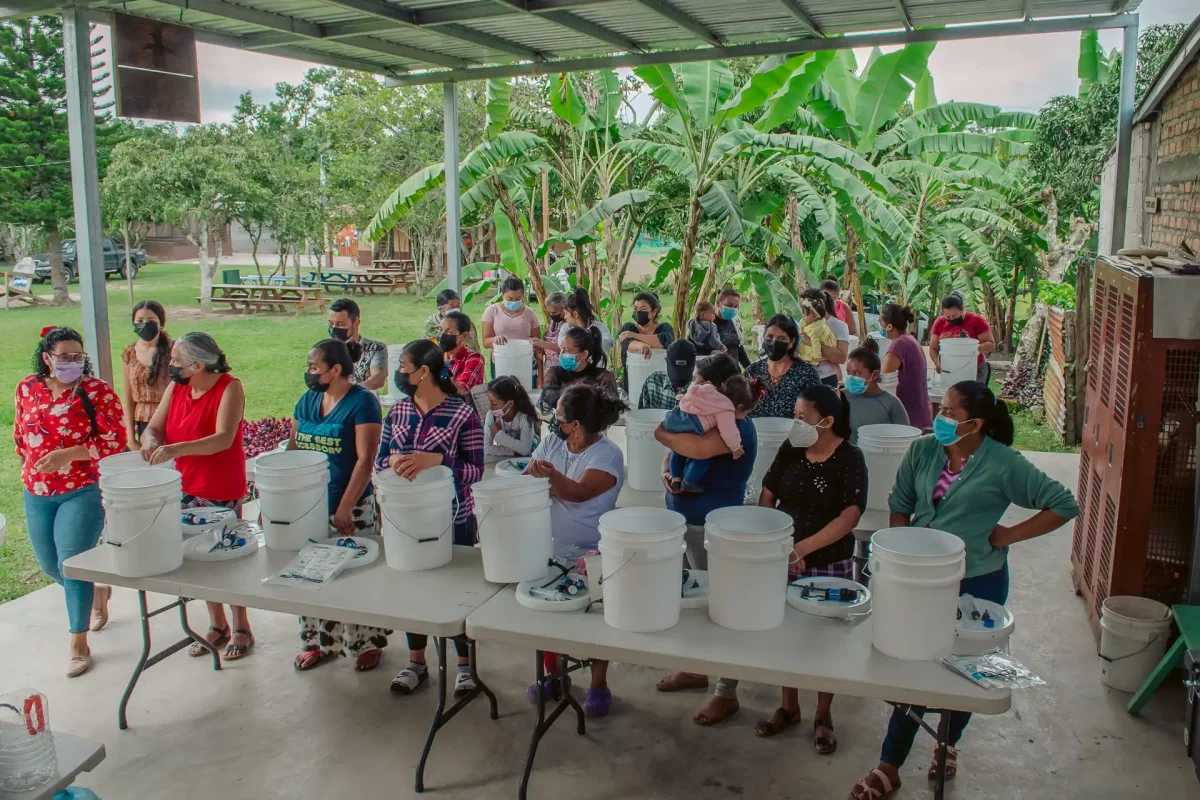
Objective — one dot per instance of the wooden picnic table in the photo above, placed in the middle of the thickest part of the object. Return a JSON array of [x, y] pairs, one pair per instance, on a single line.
[[393, 263], [366, 281], [249, 297]]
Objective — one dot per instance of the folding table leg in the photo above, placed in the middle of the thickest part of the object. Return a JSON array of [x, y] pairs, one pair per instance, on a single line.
[[943, 741], [543, 722]]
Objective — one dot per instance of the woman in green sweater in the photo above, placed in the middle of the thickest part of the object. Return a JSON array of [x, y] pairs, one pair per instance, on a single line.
[[961, 480]]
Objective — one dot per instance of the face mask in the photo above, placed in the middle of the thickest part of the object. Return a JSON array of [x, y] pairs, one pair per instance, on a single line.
[[176, 374], [513, 305], [146, 331], [946, 430], [855, 384], [728, 313], [556, 318], [68, 372], [559, 432], [956, 321], [447, 341], [341, 334], [568, 361], [313, 381], [776, 350], [641, 317], [802, 434], [404, 383]]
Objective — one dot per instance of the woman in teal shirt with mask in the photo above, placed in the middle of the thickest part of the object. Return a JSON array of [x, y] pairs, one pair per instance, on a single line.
[[961, 480]]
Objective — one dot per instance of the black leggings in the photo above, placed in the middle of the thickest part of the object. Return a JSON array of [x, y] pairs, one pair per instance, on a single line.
[[419, 641]]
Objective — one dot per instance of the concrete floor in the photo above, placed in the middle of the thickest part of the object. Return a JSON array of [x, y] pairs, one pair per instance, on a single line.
[[260, 730]]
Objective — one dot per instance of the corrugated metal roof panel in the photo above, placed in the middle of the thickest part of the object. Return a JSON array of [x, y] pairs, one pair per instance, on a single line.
[[540, 34]]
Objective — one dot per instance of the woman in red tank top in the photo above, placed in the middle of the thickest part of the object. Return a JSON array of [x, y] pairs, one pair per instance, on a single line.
[[199, 424]]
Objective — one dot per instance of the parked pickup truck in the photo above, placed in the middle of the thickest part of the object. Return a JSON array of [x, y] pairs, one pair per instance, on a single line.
[[114, 260]]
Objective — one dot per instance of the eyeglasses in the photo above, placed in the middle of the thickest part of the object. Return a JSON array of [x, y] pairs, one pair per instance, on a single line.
[[70, 358]]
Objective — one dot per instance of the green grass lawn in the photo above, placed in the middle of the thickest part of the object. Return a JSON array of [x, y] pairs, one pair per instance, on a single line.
[[267, 352]]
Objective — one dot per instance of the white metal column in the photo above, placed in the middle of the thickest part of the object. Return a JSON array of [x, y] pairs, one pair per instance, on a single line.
[[1120, 205], [453, 223], [85, 187]]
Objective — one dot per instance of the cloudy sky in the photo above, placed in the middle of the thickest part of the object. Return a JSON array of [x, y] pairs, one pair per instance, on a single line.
[[1016, 73]]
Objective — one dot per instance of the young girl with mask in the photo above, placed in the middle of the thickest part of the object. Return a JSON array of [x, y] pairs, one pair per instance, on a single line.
[[144, 368], [869, 404], [513, 427], [581, 360], [961, 480]]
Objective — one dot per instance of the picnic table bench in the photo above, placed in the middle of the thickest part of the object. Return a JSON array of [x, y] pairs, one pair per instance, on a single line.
[[248, 297], [362, 281]]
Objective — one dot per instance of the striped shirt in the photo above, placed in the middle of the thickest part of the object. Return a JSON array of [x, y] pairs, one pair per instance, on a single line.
[[946, 480], [452, 429]]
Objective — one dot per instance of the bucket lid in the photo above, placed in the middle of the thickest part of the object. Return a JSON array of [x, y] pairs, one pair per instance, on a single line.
[[513, 347], [749, 524], [426, 479], [641, 522], [887, 431], [508, 486], [290, 461], [920, 543], [779, 427], [148, 478]]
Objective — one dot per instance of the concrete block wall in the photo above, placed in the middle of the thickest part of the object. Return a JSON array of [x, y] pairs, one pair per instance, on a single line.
[[1176, 181]]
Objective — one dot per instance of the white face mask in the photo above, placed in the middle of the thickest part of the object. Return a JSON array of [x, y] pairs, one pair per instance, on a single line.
[[802, 434]]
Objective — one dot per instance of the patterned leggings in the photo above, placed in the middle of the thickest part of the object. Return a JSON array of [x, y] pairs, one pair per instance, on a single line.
[[334, 638]]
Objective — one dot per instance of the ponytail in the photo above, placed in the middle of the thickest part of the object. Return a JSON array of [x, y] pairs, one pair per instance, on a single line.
[[980, 403], [579, 302], [424, 353], [868, 355], [829, 402], [898, 316], [589, 340], [592, 407]]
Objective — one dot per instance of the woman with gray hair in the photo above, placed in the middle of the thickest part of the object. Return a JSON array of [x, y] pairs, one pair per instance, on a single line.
[[199, 424]]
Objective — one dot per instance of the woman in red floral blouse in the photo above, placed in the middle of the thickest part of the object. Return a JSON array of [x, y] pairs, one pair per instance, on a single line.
[[65, 422]]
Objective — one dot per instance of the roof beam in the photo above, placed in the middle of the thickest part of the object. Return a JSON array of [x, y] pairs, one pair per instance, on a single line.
[[400, 50], [908, 23], [670, 12], [1027, 13], [494, 42], [577, 24], [795, 9]]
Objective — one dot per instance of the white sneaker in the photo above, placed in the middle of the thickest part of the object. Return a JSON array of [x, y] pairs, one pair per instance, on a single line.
[[464, 684]]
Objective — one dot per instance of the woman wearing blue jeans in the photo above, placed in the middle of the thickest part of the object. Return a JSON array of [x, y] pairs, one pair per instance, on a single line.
[[65, 422], [961, 480]]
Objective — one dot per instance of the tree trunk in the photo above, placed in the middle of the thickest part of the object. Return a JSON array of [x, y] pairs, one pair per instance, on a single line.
[[1011, 322], [593, 273], [1083, 334], [206, 275], [851, 277], [683, 280], [708, 286], [510, 211], [58, 277], [128, 263]]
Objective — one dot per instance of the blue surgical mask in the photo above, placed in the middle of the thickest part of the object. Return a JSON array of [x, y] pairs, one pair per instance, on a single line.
[[946, 430], [567, 361], [855, 384], [513, 305], [728, 313]]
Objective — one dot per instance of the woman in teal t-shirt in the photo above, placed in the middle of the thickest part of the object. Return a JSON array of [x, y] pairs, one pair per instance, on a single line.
[[343, 421]]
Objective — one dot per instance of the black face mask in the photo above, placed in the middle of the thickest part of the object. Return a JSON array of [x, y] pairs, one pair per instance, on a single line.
[[556, 429], [641, 317], [556, 318], [313, 381], [447, 341], [956, 321], [341, 334], [146, 331], [176, 374], [776, 350], [404, 384]]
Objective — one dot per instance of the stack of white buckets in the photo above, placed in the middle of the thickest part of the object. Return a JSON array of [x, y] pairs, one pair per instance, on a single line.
[[883, 448], [643, 452], [639, 367], [515, 358]]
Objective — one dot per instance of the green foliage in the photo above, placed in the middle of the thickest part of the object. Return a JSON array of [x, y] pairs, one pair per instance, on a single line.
[[1056, 294]]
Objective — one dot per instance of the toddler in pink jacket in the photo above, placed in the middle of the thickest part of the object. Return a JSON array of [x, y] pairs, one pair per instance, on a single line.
[[703, 407]]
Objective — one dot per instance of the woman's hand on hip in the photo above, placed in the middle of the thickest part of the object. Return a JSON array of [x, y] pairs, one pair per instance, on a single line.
[[1001, 537], [408, 465]]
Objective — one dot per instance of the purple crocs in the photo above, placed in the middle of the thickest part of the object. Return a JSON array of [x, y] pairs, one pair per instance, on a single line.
[[597, 703]]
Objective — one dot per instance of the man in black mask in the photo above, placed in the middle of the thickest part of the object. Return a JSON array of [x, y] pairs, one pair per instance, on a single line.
[[660, 388], [371, 369]]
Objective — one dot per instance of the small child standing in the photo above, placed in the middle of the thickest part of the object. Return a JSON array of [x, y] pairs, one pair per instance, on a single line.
[[512, 423], [702, 330], [814, 333], [704, 407]]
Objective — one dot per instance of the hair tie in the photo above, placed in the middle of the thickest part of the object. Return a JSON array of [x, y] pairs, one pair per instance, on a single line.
[[47, 329]]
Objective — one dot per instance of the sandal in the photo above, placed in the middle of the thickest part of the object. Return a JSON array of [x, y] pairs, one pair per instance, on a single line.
[[198, 649], [368, 660], [680, 681], [307, 660], [864, 790], [408, 679], [235, 651], [718, 715], [778, 722], [824, 739], [100, 607], [951, 764], [597, 703], [464, 684]]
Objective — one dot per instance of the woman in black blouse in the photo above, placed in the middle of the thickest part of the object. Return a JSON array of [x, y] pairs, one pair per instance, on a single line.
[[820, 479], [781, 374]]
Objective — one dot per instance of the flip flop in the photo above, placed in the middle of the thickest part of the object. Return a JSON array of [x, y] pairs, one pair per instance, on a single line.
[[197, 649], [825, 745], [703, 719], [368, 660], [681, 681], [766, 728], [597, 703], [309, 659]]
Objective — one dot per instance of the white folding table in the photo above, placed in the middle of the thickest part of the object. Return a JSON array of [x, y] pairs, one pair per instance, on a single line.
[[434, 602], [805, 652]]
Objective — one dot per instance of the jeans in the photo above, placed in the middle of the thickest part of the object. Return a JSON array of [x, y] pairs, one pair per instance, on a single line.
[[690, 470], [61, 526], [902, 728]]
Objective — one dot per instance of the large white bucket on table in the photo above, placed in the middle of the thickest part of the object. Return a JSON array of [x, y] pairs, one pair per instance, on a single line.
[[883, 341], [639, 368], [883, 448], [915, 574], [391, 395], [514, 527], [643, 452], [515, 358], [960, 360], [642, 556], [142, 515], [772, 433], [293, 497], [418, 518], [130, 459], [1134, 634], [748, 552]]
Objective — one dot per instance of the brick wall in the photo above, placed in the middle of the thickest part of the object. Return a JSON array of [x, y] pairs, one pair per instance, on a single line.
[[1177, 178]]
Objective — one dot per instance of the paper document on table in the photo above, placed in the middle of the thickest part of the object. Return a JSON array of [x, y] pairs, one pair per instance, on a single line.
[[313, 567]]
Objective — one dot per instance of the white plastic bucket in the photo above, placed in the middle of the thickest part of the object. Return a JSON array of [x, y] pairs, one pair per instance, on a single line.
[[131, 459], [883, 341], [1134, 634], [142, 514], [639, 368], [748, 552], [915, 574], [391, 394], [889, 381], [515, 358], [854, 342], [772, 433], [883, 448], [960, 360], [293, 497], [642, 557], [514, 527], [418, 518], [643, 452]]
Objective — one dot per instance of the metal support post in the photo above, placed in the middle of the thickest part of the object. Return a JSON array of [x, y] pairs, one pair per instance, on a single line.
[[453, 223], [1120, 205]]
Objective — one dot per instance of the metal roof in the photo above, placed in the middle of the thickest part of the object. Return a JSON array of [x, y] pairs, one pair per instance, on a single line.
[[1184, 53], [430, 41]]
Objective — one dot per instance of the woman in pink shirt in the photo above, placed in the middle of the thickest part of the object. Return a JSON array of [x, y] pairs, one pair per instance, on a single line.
[[510, 319]]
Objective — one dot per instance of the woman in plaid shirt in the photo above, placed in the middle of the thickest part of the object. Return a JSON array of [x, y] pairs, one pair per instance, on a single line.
[[431, 427]]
